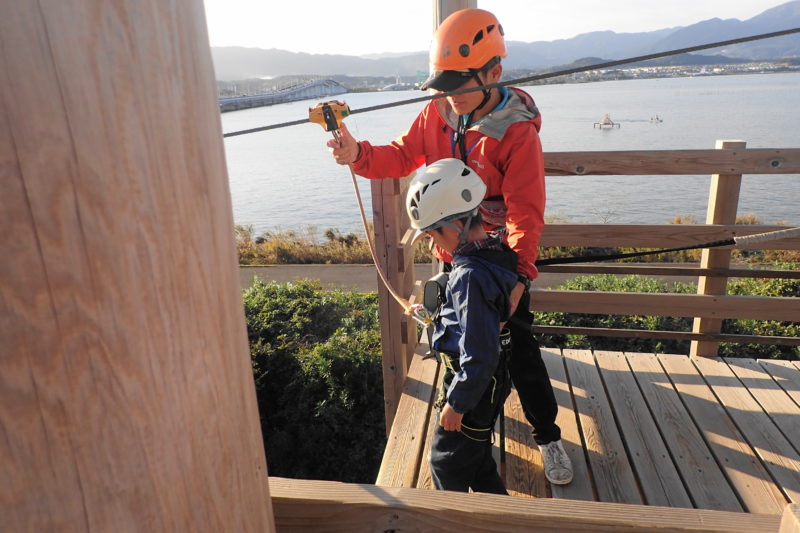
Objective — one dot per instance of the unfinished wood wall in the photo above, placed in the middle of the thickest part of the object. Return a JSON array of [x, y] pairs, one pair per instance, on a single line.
[[126, 394]]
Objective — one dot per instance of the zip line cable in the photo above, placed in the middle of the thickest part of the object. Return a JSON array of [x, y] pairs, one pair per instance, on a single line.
[[537, 77], [734, 241]]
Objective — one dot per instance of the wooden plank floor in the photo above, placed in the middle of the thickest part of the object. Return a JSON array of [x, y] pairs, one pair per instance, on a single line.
[[665, 430]]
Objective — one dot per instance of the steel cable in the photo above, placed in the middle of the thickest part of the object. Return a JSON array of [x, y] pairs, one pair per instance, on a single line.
[[537, 77]]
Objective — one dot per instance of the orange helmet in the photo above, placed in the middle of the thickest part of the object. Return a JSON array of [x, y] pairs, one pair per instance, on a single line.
[[469, 39]]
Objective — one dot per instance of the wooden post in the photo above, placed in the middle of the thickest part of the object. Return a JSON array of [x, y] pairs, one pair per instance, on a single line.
[[790, 520], [443, 8], [126, 392], [406, 276], [387, 216], [398, 332], [723, 201]]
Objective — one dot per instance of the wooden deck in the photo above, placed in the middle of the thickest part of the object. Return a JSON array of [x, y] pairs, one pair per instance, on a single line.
[[665, 430]]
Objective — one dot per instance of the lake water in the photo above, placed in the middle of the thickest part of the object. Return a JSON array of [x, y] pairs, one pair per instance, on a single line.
[[286, 178]]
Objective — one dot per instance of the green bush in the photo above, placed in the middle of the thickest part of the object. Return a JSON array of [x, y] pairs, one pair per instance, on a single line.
[[763, 287], [632, 283], [319, 384]]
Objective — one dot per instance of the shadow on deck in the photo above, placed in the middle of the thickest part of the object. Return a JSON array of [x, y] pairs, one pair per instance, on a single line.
[[665, 430]]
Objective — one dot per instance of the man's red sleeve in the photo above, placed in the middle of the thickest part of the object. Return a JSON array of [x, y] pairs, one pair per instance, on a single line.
[[524, 194], [397, 159]]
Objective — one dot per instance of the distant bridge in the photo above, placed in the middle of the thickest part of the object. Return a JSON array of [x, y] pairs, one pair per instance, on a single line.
[[292, 93]]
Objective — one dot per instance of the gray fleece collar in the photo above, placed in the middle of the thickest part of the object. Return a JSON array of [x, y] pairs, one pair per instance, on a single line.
[[495, 123]]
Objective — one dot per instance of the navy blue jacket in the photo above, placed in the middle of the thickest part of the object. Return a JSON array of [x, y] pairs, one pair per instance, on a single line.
[[477, 300]]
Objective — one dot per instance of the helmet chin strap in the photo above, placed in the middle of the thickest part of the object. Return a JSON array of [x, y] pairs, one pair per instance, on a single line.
[[487, 93], [463, 230], [463, 125]]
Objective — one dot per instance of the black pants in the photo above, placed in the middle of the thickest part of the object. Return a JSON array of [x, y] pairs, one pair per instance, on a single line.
[[462, 460], [530, 377], [459, 463]]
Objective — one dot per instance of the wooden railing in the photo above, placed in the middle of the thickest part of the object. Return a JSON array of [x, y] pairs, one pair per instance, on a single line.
[[709, 306], [327, 506]]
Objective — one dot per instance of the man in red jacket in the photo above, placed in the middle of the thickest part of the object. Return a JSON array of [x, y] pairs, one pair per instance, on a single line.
[[495, 131]]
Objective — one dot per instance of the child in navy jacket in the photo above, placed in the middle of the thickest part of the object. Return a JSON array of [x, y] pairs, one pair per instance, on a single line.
[[442, 203]]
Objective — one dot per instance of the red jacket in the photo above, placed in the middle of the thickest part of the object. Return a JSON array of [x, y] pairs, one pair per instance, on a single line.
[[504, 149]]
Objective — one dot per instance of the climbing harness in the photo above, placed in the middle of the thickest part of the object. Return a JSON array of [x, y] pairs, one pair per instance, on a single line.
[[505, 357], [528, 79], [330, 115], [499, 388]]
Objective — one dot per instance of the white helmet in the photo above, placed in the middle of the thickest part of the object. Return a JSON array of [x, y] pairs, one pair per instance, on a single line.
[[445, 191]]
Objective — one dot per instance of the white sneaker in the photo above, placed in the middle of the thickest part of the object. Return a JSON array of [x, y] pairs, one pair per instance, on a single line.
[[557, 466]]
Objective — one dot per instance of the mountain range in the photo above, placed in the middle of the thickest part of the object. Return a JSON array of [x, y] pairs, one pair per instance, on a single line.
[[238, 63]]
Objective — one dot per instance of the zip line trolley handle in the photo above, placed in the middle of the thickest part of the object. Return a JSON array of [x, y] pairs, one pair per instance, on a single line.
[[329, 115]]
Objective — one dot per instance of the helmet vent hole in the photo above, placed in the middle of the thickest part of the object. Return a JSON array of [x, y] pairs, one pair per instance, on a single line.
[[478, 37], [489, 28], [465, 172], [463, 50], [466, 195], [500, 27], [415, 213], [434, 182]]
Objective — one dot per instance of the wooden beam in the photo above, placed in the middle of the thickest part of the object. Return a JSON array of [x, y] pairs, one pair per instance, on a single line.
[[665, 334], [524, 465], [638, 303], [386, 221], [127, 400], [443, 8], [772, 446], [701, 474], [659, 479], [404, 448], [643, 269], [790, 521], [780, 406], [407, 249], [785, 374], [611, 471], [567, 419], [756, 489], [670, 162], [659, 235], [723, 201], [332, 507]]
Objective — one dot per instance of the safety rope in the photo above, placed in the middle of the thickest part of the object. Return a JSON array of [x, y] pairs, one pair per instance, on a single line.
[[330, 116], [416, 311], [537, 77], [407, 307]]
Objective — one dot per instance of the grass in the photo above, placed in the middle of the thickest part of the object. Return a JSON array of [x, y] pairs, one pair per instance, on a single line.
[[293, 247], [333, 247]]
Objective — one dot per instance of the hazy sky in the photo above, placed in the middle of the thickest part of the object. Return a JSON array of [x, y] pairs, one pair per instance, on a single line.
[[357, 27]]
